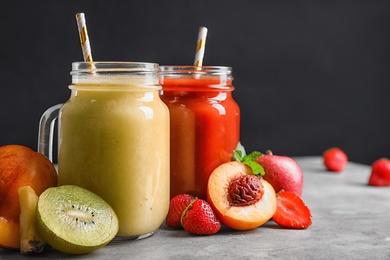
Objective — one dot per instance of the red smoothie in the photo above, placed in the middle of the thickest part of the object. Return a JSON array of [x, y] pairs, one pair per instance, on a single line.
[[204, 124]]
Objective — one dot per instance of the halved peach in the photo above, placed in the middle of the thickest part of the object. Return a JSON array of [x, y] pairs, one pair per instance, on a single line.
[[241, 200]]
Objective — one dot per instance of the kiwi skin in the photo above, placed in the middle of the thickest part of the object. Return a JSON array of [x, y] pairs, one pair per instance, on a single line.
[[65, 233]]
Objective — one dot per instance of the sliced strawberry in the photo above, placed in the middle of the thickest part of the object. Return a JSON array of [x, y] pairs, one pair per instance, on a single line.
[[177, 205], [380, 173], [291, 211], [199, 219]]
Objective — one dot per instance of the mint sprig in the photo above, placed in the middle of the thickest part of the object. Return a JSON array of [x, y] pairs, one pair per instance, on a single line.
[[250, 159]]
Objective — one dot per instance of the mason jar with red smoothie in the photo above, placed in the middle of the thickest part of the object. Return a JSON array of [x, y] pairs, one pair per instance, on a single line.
[[204, 123]]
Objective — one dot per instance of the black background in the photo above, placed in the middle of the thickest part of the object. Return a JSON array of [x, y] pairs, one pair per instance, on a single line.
[[309, 75]]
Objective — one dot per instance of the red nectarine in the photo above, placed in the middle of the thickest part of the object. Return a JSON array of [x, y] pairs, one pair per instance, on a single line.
[[20, 166], [282, 172]]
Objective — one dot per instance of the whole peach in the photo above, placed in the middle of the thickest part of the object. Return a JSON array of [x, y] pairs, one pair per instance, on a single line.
[[282, 172], [20, 166]]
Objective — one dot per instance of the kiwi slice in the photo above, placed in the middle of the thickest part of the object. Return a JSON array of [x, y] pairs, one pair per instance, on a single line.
[[74, 220]]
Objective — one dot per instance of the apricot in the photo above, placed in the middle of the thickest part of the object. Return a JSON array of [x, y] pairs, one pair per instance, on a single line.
[[241, 200], [20, 166]]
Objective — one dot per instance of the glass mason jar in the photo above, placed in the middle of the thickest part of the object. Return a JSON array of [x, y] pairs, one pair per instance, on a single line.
[[114, 141], [205, 123]]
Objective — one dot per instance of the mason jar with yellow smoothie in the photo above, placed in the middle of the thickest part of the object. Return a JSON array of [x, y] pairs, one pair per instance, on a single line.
[[114, 141]]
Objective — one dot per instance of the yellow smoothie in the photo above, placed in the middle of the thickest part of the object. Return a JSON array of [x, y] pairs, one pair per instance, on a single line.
[[114, 141]]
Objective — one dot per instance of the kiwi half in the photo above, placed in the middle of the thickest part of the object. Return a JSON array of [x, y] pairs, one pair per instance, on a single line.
[[74, 220]]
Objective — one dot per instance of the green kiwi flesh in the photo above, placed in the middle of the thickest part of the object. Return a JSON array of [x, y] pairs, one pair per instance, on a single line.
[[74, 220]]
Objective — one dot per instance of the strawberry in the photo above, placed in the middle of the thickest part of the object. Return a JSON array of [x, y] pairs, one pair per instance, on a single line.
[[335, 159], [291, 211], [177, 205], [380, 173], [199, 219]]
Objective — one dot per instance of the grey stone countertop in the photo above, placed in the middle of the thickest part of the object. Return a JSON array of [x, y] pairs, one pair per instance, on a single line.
[[351, 220]]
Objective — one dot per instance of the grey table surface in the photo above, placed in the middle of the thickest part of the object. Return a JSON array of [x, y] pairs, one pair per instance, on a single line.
[[351, 220]]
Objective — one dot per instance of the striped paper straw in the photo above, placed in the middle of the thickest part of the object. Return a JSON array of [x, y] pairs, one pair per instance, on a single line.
[[200, 48], [84, 39]]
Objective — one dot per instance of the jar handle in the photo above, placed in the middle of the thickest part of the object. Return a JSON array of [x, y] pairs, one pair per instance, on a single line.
[[46, 131]]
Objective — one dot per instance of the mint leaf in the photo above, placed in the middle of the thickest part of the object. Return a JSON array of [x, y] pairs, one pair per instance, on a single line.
[[237, 155], [250, 159], [256, 168], [239, 152], [241, 149]]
